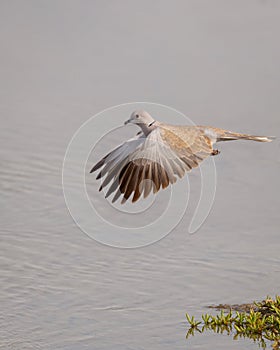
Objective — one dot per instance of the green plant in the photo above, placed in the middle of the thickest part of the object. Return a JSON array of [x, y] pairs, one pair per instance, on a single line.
[[261, 323]]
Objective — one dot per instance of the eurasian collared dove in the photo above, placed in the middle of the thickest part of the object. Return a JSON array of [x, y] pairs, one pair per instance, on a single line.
[[158, 155]]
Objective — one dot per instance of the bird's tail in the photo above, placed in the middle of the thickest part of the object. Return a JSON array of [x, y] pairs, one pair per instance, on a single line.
[[229, 136]]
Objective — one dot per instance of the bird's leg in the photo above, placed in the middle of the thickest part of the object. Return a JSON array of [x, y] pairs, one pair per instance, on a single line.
[[215, 152]]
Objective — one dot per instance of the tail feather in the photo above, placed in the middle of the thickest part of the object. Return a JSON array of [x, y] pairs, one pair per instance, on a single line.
[[228, 136]]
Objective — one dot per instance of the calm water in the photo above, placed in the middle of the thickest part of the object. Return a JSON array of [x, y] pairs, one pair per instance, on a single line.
[[62, 62]]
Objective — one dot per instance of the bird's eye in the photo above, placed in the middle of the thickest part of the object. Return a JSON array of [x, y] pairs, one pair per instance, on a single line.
[[137, 116]]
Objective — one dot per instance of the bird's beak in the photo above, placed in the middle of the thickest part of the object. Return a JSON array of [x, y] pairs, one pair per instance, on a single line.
[[127, 121]]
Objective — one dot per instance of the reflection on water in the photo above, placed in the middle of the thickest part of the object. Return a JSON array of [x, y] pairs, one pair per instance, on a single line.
[[64, 62]]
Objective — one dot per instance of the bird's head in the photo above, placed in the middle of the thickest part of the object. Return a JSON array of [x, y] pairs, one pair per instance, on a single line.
[[141, 118]]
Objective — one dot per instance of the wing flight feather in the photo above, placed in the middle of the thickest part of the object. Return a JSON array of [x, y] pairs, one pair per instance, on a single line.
[[146, 163]]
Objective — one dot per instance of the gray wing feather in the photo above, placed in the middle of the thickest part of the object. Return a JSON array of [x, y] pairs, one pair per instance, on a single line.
[[143, 164]]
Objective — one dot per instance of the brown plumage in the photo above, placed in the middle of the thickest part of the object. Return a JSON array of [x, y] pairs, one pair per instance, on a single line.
[[158, 155]]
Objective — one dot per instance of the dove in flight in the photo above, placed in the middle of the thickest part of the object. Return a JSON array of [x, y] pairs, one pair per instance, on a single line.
[[158, 155]]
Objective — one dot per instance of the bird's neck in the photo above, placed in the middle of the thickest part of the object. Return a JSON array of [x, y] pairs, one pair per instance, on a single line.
[[147, 128]]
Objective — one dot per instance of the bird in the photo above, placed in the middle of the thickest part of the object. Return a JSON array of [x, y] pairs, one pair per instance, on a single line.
[[158, 155]]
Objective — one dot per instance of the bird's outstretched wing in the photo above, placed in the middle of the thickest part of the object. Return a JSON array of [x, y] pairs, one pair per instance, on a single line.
[[143, 164]]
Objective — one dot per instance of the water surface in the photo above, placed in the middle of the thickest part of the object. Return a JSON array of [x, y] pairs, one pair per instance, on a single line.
[[62, 62]]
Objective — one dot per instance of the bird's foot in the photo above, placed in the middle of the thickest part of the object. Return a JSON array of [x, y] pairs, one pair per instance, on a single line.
[[215, 152]]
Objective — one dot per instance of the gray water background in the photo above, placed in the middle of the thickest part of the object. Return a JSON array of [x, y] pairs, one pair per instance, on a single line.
[[64, 61]]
